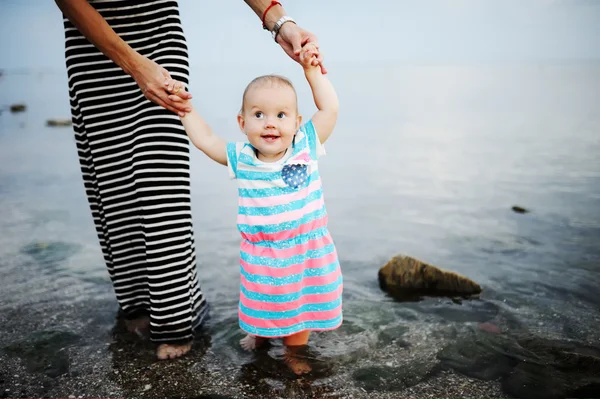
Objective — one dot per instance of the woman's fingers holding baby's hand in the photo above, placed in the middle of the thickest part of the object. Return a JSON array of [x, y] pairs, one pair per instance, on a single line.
[[172, 86], [175, 98], [308, 56], [178, 88], [311, 55], [317, 59], [177, 95], [169, 84], [310, 46]]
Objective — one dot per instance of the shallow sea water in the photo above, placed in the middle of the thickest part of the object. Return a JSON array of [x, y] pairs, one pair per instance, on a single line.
[[425, 161]]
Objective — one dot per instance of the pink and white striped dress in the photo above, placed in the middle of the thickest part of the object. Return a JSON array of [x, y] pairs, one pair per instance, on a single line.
[[291, 279]]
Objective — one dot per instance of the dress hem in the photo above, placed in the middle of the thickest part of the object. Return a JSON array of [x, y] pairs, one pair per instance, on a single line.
[[296, 332]]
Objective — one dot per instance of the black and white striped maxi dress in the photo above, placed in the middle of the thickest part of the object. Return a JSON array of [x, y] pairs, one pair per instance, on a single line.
[[134, 158]]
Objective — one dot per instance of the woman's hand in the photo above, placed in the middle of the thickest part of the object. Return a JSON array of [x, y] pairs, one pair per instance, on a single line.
[[177, 94], [151, 79], [292, 38]]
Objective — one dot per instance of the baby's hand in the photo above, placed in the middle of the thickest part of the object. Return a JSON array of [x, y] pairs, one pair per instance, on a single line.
[[308, 56], [177, 90]]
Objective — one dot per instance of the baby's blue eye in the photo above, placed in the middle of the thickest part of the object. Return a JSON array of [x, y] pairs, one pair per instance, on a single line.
[[281, 115], [258, 115]]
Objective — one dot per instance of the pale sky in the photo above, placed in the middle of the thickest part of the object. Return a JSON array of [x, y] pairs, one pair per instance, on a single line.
[[226, 32]]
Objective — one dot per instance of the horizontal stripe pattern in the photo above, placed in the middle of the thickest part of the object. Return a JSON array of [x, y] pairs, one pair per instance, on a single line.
[[134, 158], [327, 297], [273, 332], [290, 276]]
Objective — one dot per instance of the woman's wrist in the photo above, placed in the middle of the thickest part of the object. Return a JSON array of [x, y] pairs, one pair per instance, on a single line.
[[283, 23], [130, 61], [274, 15]]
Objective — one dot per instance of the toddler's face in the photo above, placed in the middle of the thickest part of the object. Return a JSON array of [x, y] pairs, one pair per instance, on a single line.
[[270, 120]]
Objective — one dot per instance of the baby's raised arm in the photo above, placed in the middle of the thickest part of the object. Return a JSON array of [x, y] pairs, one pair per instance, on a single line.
[[323, 93], [197, 129]]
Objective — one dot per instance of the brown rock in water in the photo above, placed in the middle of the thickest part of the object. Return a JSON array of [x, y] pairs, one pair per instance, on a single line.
[[18, 108], [407, 278], [519, 209], [58, 122]]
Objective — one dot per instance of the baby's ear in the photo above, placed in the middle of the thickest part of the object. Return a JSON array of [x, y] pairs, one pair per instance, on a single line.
[[241, 122]]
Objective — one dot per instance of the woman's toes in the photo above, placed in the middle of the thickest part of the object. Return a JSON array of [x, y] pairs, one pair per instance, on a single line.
[[166, 351]]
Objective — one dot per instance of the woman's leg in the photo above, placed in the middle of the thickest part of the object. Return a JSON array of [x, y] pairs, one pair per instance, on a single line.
[[134, 159]]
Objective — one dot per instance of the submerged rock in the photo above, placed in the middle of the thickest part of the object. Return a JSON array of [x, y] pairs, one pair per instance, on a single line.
[[519, 209], [45, 352], [554, 369], [59, 122], [18, 108], [48, 253], [386, 378], [392, 335], [529, 367], [407, 278]]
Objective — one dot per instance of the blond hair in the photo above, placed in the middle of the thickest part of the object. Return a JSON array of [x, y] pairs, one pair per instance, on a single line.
[[268, 81]]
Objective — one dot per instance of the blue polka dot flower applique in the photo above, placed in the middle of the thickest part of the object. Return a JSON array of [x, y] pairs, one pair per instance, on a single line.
[[295, 173]]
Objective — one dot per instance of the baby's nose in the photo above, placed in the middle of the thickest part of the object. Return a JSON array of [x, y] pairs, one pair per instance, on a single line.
[[269, 122]]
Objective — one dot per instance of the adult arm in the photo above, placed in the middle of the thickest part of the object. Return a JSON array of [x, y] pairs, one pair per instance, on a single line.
[[199, 132], [149, 76], [291, 37]]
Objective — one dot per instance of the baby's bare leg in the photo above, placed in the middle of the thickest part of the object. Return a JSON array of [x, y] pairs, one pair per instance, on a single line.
[[251, 342], [298, 339], [297, 362]]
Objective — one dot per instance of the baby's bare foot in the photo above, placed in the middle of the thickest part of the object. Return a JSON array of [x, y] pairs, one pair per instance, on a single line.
[[297, 364], [251, 342], [139, 326], [169, 351]]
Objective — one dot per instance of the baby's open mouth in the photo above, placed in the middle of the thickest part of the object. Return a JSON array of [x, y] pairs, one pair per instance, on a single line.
[[269, 138]]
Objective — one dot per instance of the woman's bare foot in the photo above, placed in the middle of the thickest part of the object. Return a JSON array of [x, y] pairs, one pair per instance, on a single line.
[[251, 342], [169, 351], [139, 326]]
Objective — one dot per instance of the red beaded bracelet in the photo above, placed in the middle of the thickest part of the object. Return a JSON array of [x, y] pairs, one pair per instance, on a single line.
[[273, 4]]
